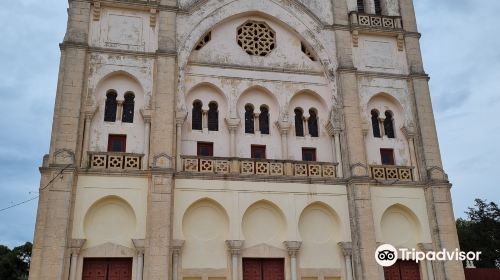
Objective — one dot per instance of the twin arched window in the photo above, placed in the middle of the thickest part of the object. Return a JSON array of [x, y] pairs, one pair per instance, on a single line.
[[262, 119], [249, 119], [388, 123], [312, 122], [377, 3], [128, 108], [212, 116], [111, 107]]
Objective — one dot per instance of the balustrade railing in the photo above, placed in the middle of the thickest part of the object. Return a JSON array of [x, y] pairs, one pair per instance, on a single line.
[[376, 21], [260, 167], [389, 172], [115, 161]]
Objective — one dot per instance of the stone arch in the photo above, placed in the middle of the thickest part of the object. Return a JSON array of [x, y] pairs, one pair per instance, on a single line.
[[305, 27], [320, 229], [205, 224], [219, 96], [264, 223], [110, 219], [384, 101], [264, 97], [107, 74], [400, 226], [303, 98]]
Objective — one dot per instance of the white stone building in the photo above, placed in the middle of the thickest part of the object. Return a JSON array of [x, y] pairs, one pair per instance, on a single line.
[[241, 139]]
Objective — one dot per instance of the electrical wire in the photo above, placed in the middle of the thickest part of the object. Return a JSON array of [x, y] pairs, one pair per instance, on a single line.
[[41, 189]]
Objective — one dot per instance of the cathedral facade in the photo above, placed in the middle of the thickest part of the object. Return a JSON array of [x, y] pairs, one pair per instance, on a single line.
[[242, 139]]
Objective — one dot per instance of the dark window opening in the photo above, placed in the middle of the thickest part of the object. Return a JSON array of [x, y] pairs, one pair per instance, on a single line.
[[308, 154], [128, 108], [213, 117], [110, 106], [378, 7], [375, 124], [197, 116], [299, 122], [249, 119], [205, 149], [258, 151], [312, 123], [264, 120], [117, 143], [389, 125], [387, 156], [361, 6]]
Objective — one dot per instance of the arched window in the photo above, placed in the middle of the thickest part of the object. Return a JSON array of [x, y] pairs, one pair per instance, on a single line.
[[375, 124], [312, 123], [249, 119], [213, 116], [197, 116], [264, 120], [389, 124], [128, 108], [361, 6], [378, 7], [110, 106], [299, 122]]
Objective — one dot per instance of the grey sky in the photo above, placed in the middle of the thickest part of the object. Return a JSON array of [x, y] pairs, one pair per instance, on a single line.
[[461, 50]]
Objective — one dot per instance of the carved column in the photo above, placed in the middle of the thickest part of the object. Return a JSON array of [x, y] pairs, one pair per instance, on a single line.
[[139, 246], [176, 253], [75, 246], [204, 119], [284, 127], [293, 248], [179, 121], [234, 247], [346, 248], [89, 113], [426, 247], [409, 133], [146, 115], [256, 122], [232, 125], [119, 109]]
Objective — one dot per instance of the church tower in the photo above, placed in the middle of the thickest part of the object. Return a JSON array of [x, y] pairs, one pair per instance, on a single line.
[[238, 139]]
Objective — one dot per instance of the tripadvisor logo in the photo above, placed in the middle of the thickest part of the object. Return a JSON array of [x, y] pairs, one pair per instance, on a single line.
[[387, 255]]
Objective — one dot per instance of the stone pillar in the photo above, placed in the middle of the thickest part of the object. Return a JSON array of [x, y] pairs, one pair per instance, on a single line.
[[234, 247], [426, 247], [293, 248], [336, 149], [256, 122], [86, 137], [284, 127], [179, 122], [204, 120], [346, 248], [146, 115], [139, 246], [409, 133], [75, 246], [232, 125], [176, 254]]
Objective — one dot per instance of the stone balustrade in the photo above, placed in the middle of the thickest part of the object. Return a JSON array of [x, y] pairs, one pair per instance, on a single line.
[[390, 172], [375, 21], [115, 161], [259, 167]]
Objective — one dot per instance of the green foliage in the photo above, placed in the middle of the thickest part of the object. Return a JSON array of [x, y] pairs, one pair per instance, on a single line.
[[481, 232], [14, 264]]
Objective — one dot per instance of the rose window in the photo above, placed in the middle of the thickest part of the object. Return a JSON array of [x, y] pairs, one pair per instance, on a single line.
[[256, 38]]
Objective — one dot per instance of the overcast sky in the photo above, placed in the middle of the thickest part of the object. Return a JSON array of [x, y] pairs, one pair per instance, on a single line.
[[461, 50]]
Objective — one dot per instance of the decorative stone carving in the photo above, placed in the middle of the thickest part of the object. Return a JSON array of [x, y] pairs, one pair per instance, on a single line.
[[292, 247], [359, 170], [346, 248], [97, 10], [64, 157], [256, 38], [162, 161], [152, 18], [437, 173]]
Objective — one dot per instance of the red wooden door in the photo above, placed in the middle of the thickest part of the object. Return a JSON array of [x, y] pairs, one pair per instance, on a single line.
[[107, 269], [263, 269], [273, 269], [95, 269], [402, 270]]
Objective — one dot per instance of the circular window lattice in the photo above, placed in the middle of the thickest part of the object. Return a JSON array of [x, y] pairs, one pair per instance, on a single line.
[[256, 38]]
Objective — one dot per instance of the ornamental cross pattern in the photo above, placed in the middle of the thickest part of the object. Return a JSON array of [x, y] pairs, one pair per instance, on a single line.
[[256, 38]]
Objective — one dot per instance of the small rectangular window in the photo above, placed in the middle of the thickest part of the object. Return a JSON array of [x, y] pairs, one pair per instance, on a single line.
[[117, 143], [308, 154], [205, 149], [258, 151], [387, 156]]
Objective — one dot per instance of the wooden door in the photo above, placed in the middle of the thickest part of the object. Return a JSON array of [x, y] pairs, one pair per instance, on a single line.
[[263, 269], [402, 270], [95, 269], [107, 269]]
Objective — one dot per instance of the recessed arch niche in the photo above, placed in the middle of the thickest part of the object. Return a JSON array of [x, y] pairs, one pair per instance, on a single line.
[[264, 223], [400, 227]]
